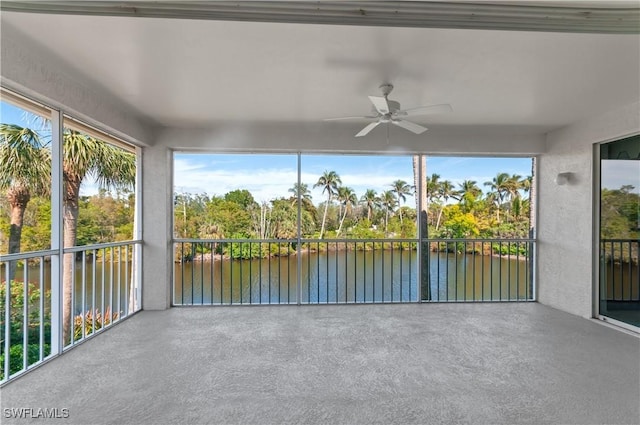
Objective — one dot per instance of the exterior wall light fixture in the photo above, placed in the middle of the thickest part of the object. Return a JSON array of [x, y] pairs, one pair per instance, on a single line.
[[563, 179]]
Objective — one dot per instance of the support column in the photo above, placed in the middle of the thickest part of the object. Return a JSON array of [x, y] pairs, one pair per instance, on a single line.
[[157, 227]]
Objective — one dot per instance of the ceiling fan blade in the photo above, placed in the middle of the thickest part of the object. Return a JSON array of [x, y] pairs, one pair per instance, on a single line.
[[367, 129], [415, 128], [380, 104], [368, 117], [426, 110]]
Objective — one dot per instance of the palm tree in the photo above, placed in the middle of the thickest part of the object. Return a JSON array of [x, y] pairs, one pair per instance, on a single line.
[[469, 187], [499, 188], [26, 166], [433, 190], [433, 187], [111, 167], [387, 201], [512, 187], [469, 192], [369, 200], [401, 188], [446, 191], [347, 197], [329, 182], [301, 190], [25, 169]]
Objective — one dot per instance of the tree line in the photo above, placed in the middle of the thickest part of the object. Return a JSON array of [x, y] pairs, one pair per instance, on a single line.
[[461, 211]]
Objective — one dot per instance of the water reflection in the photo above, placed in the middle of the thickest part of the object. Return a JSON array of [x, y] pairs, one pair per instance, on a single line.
[[352, 277]]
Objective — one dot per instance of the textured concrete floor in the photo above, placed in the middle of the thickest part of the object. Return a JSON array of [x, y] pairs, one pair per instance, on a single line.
[[388, 364]]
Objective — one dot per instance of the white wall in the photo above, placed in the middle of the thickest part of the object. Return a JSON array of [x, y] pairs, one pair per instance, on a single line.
[[565, 218]]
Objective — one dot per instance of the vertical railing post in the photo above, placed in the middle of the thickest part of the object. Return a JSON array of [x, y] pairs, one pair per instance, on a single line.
[[138, 236], [7, 322], [56, 232], [299, 235]]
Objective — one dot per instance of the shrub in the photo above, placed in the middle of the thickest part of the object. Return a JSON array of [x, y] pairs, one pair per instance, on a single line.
[[101, 320], [16, 357]]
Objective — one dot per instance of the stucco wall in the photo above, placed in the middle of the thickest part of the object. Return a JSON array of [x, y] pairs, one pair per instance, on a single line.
[[565, 218], [33, 71], [157, 222]]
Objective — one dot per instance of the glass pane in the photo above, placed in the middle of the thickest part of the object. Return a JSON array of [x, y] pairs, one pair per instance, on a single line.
[[620, 230]]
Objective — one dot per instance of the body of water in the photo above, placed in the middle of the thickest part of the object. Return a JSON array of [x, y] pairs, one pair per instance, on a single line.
[[352, 277]]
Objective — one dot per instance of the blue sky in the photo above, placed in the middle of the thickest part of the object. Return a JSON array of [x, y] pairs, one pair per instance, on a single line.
[[270, 176]]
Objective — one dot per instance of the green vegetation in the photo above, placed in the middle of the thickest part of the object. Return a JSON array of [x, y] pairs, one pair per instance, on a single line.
[[16, 321], [620, 213], [25, 170], [454, 213]]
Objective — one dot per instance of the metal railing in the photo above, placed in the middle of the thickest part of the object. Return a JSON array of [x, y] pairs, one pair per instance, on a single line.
[[620, 269], [105, 282], [106, 286], [337, 271], [25, 311], [481, 270]]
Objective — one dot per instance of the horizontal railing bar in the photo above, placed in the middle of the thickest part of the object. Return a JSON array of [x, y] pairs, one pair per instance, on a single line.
[[344, 240], [235, 240], [477, 240], [620, 240], [357, 240], [101, 246], [28, 255]]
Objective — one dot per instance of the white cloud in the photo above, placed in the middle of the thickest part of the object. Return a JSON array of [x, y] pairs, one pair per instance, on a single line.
[[266, 183], [617, 173]]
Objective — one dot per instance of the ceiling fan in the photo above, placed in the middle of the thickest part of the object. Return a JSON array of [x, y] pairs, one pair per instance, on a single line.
[[388, 111]]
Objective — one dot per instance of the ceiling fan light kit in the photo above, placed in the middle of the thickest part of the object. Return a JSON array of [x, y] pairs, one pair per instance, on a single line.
[[389, 111]]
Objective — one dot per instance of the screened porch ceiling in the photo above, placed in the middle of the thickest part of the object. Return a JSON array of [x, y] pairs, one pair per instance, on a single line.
[[192, 73]]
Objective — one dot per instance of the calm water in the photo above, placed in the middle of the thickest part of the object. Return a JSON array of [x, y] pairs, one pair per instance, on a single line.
[[348, 276], [110, 281], [328, 277]]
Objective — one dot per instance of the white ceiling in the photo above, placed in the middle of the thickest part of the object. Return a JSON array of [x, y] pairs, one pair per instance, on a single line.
[[181, 73]]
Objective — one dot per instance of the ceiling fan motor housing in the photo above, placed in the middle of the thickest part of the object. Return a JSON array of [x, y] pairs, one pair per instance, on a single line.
[[393, 108]]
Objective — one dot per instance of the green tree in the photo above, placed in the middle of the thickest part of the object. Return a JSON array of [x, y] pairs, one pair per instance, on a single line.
[[401, 189], [300, 190], [387, 202], [458, 224], [499, 188], [242, 197], [469, 192], [446, 191], [347, 197], [25, 169], [111, 167], [329, 182], [433, 191], [369, 201], [235, 220]]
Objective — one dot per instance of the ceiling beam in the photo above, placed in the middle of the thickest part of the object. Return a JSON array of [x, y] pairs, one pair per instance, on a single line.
[[579, 17]]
